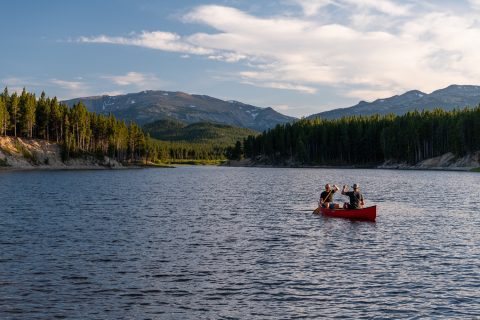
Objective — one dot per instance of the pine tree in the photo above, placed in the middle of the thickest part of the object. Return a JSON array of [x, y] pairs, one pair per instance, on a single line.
[[13, 112], [4, 116], [43, 116]]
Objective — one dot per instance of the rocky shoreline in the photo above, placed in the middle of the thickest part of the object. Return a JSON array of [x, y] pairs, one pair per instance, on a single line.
[[33, 154], [446, 162]]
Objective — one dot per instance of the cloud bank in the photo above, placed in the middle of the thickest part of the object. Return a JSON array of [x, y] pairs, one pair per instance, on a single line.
[[363, 48]]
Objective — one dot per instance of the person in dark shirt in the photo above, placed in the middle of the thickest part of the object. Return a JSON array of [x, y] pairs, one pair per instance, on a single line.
[[326, 198], [356, 198]]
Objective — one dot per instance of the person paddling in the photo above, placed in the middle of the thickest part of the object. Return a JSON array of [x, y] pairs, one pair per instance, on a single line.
[[356, 198], [326, 198]]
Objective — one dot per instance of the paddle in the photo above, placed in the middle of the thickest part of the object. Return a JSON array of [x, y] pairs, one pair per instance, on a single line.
[[317, 211]]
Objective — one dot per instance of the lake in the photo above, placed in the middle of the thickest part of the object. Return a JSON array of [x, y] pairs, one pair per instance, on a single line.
[[236, 243]]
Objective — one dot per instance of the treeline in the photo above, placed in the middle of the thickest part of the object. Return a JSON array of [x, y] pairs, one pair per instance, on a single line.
[[367, 140], [169, 151], [82, 132]]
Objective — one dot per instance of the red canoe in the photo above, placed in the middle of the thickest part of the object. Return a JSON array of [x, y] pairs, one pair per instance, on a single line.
[[369, 213]]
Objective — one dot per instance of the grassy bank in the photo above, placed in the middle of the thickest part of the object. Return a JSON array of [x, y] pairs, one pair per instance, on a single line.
[[193, 162]]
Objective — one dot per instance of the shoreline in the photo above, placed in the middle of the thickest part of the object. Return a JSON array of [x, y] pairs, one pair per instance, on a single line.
[[235, 165], [418, 167], [66, 168], [472, 169], [81, 168], [22, 154]]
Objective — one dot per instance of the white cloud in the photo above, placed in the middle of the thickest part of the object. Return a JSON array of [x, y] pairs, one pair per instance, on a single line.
[[127, 79], [312, 7], [384, 6], [36, 85], [281, 107], [380, 46], [70, 85], [425, 51], [475, 4], [228, 57], [70, 88], [138, 80], [159, 40], [283, 86], [261, 79]]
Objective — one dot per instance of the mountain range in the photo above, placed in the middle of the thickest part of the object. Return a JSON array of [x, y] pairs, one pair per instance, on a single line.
[[453, 96], [149, 106]]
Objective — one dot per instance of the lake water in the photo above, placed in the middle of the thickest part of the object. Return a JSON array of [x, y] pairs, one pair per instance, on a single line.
[[228, 243]]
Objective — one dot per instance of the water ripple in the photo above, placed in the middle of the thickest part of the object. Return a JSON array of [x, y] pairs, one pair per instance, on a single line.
[[236, 243]]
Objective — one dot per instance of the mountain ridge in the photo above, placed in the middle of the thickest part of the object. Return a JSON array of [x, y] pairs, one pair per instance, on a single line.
[[152, 105], [448, 98]]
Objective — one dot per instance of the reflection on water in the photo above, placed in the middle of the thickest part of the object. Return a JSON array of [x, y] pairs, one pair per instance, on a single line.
[[209, 242]]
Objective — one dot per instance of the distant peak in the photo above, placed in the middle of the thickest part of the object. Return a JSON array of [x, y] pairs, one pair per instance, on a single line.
[[414, 92], [462, 86], [457, 88]]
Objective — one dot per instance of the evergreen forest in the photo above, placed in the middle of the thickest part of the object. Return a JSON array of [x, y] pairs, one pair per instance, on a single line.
[[199, 132], [367, 140], [81, 132]]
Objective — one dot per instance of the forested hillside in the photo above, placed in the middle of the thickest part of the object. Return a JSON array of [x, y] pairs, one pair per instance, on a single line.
[[201, 132], [366, 140], [81, 132]]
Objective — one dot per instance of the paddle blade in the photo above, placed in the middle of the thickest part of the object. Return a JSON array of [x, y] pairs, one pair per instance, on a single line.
[[317, 211]]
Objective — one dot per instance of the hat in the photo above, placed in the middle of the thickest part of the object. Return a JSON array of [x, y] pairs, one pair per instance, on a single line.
[[356, 186]]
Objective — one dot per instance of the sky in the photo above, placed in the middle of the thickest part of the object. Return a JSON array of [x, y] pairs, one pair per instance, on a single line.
[[299, 57]]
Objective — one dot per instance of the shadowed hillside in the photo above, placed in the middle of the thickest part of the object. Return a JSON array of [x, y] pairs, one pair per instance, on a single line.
[[201, 132]]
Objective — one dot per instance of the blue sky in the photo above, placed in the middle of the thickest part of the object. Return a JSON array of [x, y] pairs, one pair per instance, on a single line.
[[298, 56]]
